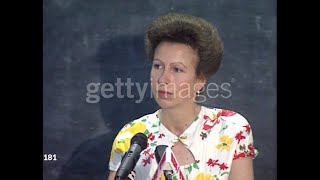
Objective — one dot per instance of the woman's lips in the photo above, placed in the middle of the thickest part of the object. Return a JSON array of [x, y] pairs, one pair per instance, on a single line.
[[164, 94]]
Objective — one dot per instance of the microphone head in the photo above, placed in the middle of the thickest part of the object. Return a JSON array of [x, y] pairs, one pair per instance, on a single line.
[[159, 151], [140, 139], [138, 143]]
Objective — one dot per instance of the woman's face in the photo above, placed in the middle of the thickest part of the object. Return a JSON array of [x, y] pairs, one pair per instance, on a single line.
[[173, 74]]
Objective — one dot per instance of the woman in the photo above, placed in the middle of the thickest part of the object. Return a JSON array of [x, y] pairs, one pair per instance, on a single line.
[[208, 143]]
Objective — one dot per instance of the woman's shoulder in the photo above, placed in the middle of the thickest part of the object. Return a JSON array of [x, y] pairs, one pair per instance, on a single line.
[[225, 116], [147, 118], [141, 124]]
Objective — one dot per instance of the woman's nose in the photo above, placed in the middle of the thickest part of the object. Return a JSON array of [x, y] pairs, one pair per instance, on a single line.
[[164, 77]]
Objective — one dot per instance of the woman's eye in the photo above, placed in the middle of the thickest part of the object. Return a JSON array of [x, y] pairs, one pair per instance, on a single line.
[[157, 66], [177, 69]]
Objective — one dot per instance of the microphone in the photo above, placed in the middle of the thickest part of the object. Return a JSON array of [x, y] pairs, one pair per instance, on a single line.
[[167, 164], [158, 154], [131, 157]]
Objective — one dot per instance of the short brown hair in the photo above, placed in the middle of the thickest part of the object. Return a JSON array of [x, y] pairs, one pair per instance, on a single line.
[[193, 31]]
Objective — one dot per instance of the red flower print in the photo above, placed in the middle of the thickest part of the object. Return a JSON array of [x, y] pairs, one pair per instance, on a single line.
[[250, 147], [209, 123], [248, 128], [151, 136], [223, 166], [146, 161], [236, 156], [226, 113], [212, 162], [207, 118], [251, 150], [215, 117], [152, 156], [146, 152], [161, 135], [239, 136], [148, 156]]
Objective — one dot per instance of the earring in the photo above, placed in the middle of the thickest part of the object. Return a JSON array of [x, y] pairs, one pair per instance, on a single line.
[[198, 93]]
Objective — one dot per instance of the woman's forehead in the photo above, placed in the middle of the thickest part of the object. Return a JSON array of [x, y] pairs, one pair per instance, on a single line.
[[170, 52]]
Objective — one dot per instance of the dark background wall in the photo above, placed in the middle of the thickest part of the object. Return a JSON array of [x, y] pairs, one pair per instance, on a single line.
[[98, 41]]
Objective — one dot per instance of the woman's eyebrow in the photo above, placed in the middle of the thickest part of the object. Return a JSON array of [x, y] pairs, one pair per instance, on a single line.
[[157, 60], [181, 64], [173, 63]]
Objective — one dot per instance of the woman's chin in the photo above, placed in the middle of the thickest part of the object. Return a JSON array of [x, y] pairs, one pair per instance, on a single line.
[[164, 103]]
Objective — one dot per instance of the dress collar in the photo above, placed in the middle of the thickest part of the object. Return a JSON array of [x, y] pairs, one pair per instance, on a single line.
[[187, 136]]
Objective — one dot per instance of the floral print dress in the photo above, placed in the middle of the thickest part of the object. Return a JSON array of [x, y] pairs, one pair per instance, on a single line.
[[215, 138]]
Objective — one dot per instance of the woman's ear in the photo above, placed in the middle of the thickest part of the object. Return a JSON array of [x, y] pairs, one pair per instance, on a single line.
[[200, 83]]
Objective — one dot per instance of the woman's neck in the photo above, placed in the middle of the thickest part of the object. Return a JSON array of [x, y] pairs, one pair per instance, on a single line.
[[178, 119]]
